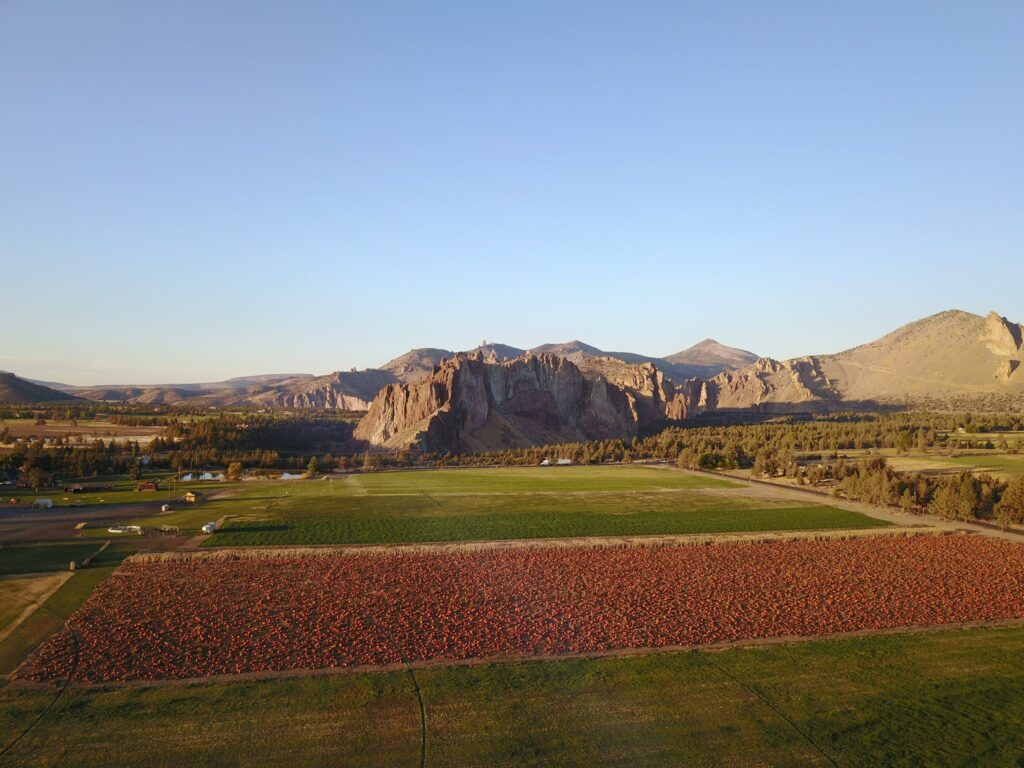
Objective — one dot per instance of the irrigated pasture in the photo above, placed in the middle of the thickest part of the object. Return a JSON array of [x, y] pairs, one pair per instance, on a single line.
[[42, 558], [474, 505], [952, 697], [1003, 465], [182, 617]]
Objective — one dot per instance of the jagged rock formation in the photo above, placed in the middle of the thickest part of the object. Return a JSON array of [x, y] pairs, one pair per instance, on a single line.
[[1002, 337], [470, 404], [646, 388], [419, 363], [347, 390], [767, 386]]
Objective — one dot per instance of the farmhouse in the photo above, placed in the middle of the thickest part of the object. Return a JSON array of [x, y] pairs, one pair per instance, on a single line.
[[148, 485]]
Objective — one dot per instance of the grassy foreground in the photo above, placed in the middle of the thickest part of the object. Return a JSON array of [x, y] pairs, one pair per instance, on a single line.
[[49, 618], [56, 556], [944, 698], [470, 505]]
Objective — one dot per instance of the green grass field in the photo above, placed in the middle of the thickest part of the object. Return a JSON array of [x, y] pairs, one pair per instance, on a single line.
[[954, 697], [998, 464], [473, 505], [18, 593], [46, 620], [584, 479], [57, 556], [41, 558]]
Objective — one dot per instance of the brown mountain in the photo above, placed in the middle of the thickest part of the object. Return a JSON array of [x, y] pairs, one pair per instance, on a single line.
[[953, 357], [713, 356], [18, 391], [704, 359], [951, 353]]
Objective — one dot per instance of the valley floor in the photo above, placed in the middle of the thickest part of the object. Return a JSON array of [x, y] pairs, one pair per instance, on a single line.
[[934, 697]]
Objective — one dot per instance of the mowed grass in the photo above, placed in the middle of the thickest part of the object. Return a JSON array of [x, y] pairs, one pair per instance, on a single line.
[[57, 556], [954, 697], [581, 479], [20, 592], [469, 505], [1002, 465], [50, 616], [41, 558], [997, 464]]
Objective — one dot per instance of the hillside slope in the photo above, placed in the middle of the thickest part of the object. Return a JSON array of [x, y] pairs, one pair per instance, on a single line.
[[18, 391], [710, 354], [950, 353]]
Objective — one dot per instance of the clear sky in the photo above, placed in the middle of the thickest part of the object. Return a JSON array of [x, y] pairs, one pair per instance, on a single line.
[[196, 190]]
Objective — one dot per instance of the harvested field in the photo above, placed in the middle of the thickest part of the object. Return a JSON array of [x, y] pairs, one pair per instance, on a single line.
[[185, 618]]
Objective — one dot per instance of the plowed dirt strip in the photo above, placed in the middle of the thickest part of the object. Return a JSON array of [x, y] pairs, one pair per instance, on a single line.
[[191, 618]]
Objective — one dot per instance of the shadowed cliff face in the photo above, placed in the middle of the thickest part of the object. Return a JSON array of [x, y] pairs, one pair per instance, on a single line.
[[470, 404]]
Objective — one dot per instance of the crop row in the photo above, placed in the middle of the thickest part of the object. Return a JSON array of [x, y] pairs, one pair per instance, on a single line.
[[191, 618]]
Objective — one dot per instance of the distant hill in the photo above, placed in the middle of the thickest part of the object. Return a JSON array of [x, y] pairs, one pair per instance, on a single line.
[[416, 362], [18, 391], [699, 361], [573, 350], [952, 357], [711, 354], [951, 353]]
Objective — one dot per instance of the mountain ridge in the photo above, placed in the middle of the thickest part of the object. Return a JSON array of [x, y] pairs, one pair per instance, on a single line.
[[950, 354], [352, 389]]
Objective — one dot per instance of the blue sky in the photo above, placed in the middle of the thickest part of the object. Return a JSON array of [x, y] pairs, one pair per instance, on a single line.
[[193, 190]]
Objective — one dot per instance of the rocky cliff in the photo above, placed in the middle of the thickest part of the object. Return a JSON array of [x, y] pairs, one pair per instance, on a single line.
[[347, 390], [468, 403], [647, 389], [766, 386]]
